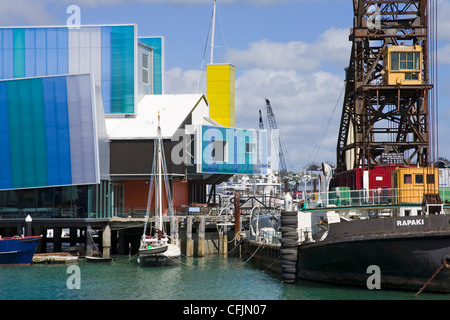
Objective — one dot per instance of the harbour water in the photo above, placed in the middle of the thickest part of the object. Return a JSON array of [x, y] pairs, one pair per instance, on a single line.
[[209, 278]]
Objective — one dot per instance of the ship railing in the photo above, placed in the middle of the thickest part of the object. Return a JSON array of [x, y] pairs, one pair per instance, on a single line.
[[344, 197]]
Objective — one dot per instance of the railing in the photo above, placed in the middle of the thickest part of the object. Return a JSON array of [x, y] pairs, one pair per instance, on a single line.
[[379, 196]]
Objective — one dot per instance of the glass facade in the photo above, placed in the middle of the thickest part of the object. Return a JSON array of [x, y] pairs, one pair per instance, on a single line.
[[82, 201], [157, 44], [106, 51], [48, 132], [231, 151]]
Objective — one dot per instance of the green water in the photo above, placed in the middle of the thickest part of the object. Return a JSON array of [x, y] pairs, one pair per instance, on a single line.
[[210, 278]]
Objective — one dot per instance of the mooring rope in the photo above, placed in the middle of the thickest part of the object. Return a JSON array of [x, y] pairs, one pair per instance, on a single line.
[[431, 279]]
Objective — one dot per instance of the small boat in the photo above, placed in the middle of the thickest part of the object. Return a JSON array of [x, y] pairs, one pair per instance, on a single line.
[[18, 250], [158, 250], [54, 258], [91, 259]]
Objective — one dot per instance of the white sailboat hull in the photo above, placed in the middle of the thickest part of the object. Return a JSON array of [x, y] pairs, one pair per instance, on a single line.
[[171, 256]]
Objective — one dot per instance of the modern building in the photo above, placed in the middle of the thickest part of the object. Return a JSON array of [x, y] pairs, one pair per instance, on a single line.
[[78, 110]]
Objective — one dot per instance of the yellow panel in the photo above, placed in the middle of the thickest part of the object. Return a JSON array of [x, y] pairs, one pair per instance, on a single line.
[[398, 77], [413, 192], [220, 92]]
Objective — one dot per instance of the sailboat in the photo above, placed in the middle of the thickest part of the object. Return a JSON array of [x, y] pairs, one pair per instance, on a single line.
[[158, 250]]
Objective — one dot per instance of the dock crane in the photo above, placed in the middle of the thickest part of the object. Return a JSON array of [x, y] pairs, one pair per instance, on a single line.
[[261, 123], [275, 133]]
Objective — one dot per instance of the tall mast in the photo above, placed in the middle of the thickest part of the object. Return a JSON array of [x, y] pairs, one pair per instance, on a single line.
[[159, 175], [213, 30]]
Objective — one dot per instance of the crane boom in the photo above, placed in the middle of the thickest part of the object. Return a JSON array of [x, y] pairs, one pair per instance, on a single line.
[[275, 133], [261, 123]]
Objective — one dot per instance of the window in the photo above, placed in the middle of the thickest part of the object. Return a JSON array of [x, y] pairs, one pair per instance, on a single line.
[[419, 178], [145, 69], [412, 76], [405, 61], [250, 147], [407, 179], [430, 178], [219, 151]]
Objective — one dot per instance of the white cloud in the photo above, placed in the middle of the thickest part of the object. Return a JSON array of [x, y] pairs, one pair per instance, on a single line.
[[25, 12], [302, 104], [332, 46], [302, 96]]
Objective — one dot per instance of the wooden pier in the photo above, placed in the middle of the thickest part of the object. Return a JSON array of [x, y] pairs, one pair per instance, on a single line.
[[198, 235]]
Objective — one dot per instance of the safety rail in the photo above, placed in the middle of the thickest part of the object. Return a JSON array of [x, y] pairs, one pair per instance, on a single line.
[[343, 196]]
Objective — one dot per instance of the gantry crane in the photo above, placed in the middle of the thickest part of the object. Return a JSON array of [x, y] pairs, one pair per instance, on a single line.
[[386, 105]]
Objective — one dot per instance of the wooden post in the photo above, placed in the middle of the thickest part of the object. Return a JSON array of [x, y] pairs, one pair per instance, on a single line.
[[237, 214], [89, 241], [225, 237], [189, 241], [106, 239], [201, 237]]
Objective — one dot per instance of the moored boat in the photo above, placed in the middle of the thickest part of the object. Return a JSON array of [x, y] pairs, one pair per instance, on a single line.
[[407, 251], [354, 233], [158, 250], [17, 250]]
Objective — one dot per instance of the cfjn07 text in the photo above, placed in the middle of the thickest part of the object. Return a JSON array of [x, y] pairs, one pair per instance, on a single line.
[[241, 309]]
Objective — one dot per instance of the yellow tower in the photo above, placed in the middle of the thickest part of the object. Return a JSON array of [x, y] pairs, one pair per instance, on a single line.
[[220, 93]]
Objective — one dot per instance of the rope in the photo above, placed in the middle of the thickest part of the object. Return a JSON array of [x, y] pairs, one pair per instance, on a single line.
[[431, 279], [260, 244]]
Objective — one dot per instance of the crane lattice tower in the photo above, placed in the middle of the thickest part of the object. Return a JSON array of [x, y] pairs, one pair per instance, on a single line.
[[386, 105]]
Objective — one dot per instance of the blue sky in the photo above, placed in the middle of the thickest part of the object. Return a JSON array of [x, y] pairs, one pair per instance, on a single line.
[[292, 52]]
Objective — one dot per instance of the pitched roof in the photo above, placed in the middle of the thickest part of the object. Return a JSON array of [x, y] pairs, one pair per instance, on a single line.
[[173, 109]]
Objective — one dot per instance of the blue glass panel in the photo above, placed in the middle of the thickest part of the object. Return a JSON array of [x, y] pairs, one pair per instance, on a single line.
[[63, 51], [8, 54], [30, 52], [106, 68], [57, 131], [122, 69], [41, 52], [156, 45], [52, 52], [5, 159], [1, 54]]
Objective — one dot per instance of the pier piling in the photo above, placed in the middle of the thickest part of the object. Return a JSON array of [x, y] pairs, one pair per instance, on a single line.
[[189, 241], [106, 239], [89, 241], [201, 237]]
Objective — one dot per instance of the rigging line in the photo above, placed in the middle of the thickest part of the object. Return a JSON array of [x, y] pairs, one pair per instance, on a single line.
[[223, 34], [437, 80], [328, 124], [150, 192]]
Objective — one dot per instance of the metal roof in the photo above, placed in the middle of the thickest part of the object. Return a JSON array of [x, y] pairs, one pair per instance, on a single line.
[[173, 108]]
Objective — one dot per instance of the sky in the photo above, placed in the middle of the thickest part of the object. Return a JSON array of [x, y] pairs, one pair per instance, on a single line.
[[292, 52]]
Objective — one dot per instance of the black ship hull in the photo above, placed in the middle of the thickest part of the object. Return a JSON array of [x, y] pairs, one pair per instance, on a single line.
[[406, 253]]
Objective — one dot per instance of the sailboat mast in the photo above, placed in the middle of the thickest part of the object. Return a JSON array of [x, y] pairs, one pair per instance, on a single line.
[[159, 175], [213, 31]]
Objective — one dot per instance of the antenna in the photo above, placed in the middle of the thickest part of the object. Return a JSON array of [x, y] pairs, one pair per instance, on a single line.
[[212, 32]]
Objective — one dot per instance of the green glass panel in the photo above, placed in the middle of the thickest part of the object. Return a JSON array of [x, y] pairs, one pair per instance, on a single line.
[[19, 53], [27, 133]]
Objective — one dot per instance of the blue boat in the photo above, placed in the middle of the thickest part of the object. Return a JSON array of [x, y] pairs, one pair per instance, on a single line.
[[18, 250]]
